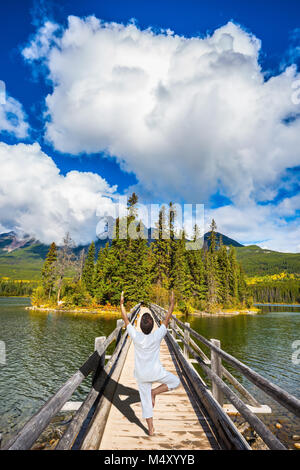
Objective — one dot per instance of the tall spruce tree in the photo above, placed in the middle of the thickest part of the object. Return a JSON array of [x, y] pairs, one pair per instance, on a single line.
[[161, 252], [137, 278], [49, 270], [88, 270], [242, 286], [116, 270], [99, 276], [224, 273], [182, 280], [211, 268], [233, 275], [196, 267], [172, 243], [64, 262]]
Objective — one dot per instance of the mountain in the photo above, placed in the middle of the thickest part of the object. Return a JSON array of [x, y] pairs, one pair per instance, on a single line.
[[10, 242], [225, 240], [23, 258]]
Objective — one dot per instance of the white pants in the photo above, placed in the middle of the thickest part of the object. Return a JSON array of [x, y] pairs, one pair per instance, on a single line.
[[145, 392]]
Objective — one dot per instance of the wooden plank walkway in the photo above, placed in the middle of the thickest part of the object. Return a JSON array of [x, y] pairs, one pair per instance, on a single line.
[[178, 422]]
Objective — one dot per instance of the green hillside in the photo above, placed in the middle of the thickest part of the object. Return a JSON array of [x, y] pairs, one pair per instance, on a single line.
[[257, 261], [23, 263]]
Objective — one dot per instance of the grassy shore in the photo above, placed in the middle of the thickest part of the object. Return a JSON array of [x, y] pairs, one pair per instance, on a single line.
[[226, 312], [101, 311]]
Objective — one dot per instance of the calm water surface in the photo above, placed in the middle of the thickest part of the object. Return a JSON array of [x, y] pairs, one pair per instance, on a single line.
[[44, 349]]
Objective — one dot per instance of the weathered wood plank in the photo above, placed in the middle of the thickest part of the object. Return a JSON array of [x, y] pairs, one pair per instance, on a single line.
[[216, 367], [262, 409]]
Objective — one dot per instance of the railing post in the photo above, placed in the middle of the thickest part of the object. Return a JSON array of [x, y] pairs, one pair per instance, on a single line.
[[216, 367], [98, 342], [174, 326], [119, 324], [187, 340]]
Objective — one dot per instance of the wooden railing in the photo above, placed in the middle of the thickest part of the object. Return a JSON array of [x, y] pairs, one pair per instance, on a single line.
[[27, 436], [213, 368]]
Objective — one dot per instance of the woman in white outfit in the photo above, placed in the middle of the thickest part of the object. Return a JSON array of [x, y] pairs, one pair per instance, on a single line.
[[147, 365]]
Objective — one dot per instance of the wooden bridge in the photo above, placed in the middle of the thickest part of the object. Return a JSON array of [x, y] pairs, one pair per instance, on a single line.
[[191, 417]]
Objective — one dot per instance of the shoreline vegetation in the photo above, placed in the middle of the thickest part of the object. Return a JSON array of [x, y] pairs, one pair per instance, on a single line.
[[99, 311], [105, 310]]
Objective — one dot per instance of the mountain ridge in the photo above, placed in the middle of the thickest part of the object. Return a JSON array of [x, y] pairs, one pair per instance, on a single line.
[[23, 258]]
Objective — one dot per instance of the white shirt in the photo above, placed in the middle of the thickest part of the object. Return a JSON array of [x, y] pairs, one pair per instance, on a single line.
[[147, 365]]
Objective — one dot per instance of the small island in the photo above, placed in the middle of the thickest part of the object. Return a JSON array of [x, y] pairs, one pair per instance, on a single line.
[[206, 281]]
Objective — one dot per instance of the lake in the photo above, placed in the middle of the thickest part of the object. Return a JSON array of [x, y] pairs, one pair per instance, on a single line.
[[44, 348]]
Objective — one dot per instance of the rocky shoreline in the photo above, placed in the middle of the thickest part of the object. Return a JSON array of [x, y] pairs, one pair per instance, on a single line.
[[224, 314], [116, 311], [79, 310]]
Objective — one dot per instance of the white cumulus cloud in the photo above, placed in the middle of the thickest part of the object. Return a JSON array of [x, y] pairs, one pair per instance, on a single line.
[[37, 200], [12, 115], [262, 225], [187, 116]]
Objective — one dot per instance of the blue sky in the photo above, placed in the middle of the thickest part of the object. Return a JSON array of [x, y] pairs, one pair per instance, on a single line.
[[272, 197]]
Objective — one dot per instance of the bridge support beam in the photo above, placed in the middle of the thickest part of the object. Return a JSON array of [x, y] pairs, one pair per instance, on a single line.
[[173, 322], [216, 367], [120, 324], [187, 340]]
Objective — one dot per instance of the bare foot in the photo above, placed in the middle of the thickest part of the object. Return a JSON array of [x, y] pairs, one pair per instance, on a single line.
[[151, 432], [153, 398]]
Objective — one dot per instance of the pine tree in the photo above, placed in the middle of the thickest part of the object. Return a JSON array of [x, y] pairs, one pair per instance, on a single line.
[[161, 253], [213, 237], [64, 262], [233, 275], [196, 267], [211, 269], [224, 272], [182, 280], [88, 270], [242, 286], [172, 244], [49, 271], [101, 274], [137, 277], [116, 270]]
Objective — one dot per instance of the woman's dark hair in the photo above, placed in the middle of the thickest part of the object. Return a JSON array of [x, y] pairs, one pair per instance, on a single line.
[[146, 323]]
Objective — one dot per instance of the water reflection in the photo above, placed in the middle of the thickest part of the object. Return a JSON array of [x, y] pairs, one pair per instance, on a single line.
[[43, 351]]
